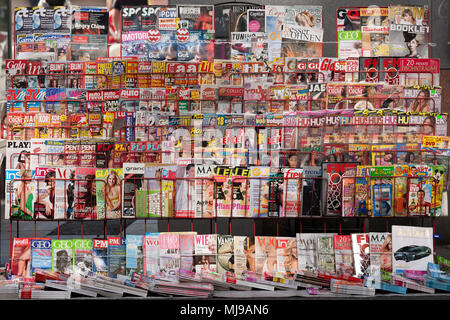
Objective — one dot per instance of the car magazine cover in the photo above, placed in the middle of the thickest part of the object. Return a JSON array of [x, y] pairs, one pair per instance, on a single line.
[[408, 31], [134, 254], [100, 256], [82, 256], [343, 255], [116, 256], [63, 256], [380, 247], [108, 190], [41, 254], [412, 248]]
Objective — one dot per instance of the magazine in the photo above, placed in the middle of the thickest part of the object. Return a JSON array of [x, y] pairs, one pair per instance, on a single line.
[[325, 253], [116, 256], [133, 182], [100, 256], [344, 263], [381, 182], [82, 256], [205, 253], [109, 195], [64, 205], [62, 256], [361, 254], [85, 203], [20, 257], [134, 254], [412, 248], [41, 254], [169, 256], [244, 256], [225, 254], [151, 254], [380, 247]]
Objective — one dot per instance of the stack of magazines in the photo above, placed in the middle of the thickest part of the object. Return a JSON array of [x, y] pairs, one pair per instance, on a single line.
[[73, 289], [9, 289], [437, 279], [37, 291], [350, 287], [187, 289], [414, 281]]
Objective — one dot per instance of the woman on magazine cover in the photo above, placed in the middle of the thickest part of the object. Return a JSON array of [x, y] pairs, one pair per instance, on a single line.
[[113, 195], [25, 196], [422, 102], [47, 199]]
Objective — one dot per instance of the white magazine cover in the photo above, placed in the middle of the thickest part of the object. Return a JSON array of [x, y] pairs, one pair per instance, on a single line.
[[412, 248]]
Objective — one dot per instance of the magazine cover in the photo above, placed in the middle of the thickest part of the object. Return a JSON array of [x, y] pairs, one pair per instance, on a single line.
[[85, 203], [361, 254], [369, 68], [18, 154], [436, 180], [381, 186], [187, 250], [223, 191], [134, 254], [41, 254], [423, 99], [62, 256], [259, 191], [44, 206], [292, 192], [244, 256], [348, 19], [419, 191], [82, 256], [109, 194], [400, 195], [116, 256], [411, 72], [349, 44], [348, 192], [312, 191], [204, 191], [336, 96], [375, 25], [287, 259], [21, 194], [225, 254], [380, 247], [100, 256], [64, 192], [133, 175], [157, 198], [238, 17], [307, 251], [196, 17], [274, 21], [408, 31], [412, 248], [362, 191], [325, 253], [343, 255], [333, 173], [20, 257], [89, 34], [151, 254], [240, 191], [169, 256], [205, 253], [265, 256]]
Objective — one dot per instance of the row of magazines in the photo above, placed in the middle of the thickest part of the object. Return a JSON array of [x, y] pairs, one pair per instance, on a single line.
[[170, 259], [141, 191], [238, 32], [129, 72]]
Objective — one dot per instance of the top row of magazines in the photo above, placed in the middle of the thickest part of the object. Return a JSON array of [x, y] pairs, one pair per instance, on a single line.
[[206, 32]]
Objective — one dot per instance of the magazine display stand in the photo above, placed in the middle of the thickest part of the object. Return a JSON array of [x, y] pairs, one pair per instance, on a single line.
[[201, 134]]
